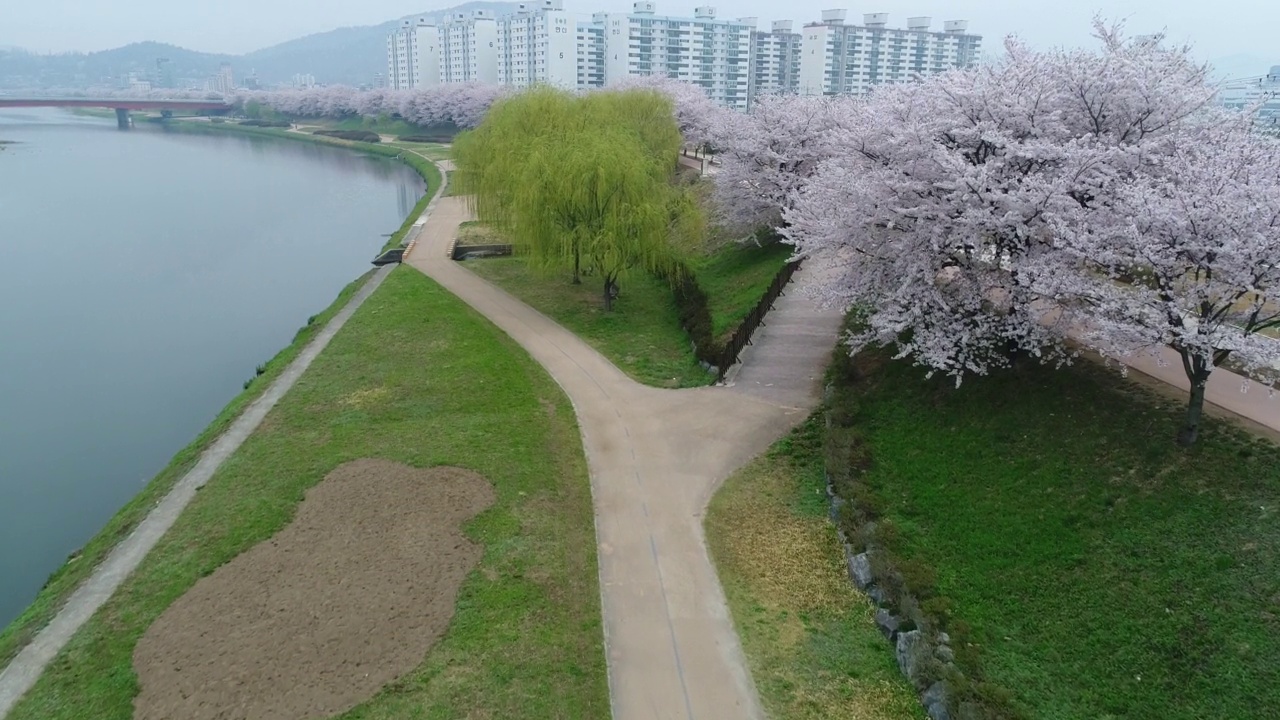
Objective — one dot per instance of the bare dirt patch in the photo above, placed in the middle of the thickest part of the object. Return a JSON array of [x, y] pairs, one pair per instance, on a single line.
[[347, 598]]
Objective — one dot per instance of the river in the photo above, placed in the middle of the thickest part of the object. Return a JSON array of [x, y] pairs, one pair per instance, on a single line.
[[143, 275]]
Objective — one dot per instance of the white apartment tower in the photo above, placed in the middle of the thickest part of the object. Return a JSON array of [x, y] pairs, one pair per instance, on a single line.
[[838, 59], [775, 60], [538, 45], [590, 51], [469, 48], [413, 55], [713, 54]]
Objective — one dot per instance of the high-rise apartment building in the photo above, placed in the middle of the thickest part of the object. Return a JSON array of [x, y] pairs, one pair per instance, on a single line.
[[163, 74], [839, 59], [469, 48], [538, 45], [730, 60], [224, 82], [590, 51], [413, 55], [702, 50], [775, 60]]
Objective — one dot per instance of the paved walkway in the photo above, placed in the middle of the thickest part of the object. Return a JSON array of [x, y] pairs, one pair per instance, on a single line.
[[790, 351], [655, 458], [22, 673]]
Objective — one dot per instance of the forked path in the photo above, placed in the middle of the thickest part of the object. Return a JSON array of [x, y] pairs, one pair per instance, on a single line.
[[655, 458]]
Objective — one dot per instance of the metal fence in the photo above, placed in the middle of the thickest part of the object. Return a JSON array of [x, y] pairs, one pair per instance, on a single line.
[[742, 336]]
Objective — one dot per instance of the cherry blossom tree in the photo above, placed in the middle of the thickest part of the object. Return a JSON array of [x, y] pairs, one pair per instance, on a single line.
[[935, 212], [1186, 254], [463, 105], [769, 153]]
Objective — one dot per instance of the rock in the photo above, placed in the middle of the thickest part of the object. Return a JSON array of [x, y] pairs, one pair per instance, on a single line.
[[887, 623], [945, 654], [860, 570], [944, 638], [878, 596], [908, 652], [935, 701]]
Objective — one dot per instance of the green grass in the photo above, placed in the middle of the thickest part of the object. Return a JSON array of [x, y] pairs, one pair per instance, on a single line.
[[735, 278], [382, 127], [813, 649], [66, 579], [1102, 571], [642, 336], [526, 639]]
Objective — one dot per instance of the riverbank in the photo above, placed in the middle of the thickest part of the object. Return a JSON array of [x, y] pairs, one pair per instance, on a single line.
[[525, 639], [63, 581], [82, 563]]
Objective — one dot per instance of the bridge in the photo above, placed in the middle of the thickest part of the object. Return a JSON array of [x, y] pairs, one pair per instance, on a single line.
[[121, 105]]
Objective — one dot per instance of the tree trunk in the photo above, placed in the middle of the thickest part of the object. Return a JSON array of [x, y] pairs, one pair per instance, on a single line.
[[577, 273], [1195, 408], [610, 291], [1013, 352], [1197, 368]]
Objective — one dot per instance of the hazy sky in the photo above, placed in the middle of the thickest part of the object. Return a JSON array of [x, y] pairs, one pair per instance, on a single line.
[[1218, 29]]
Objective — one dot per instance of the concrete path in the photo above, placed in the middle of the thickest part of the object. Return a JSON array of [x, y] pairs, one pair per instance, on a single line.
[[790, 351], [22, 673], [655, 458]]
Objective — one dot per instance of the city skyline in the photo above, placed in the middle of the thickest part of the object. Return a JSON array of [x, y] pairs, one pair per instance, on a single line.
[[729, 58], [1232, 29]]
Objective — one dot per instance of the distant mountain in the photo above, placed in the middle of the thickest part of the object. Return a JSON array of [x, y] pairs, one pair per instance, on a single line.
[[22, 69], [347, 56]]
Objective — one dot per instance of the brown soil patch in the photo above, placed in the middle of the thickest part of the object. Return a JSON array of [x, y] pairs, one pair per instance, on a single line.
[[347, 598]]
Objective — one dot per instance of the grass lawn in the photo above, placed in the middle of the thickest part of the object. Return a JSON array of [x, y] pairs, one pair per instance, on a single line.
[[1102, 571], [419, 378], [67, 578], [735, 277], [642, 336], [808, 635], [382, 127]]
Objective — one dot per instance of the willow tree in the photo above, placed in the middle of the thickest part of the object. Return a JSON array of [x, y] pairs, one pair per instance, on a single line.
[[601, 199], [581, 181], [491, 159], [646, 112]]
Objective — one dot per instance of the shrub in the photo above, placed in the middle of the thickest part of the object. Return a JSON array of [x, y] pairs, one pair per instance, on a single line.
[[356, 135], [441, 138], [694, 309]]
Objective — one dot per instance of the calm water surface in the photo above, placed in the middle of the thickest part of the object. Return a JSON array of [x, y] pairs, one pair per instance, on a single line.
[[143, 275]]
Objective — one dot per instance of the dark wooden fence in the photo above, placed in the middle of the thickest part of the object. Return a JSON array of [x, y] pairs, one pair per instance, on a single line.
[[742, 336]]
